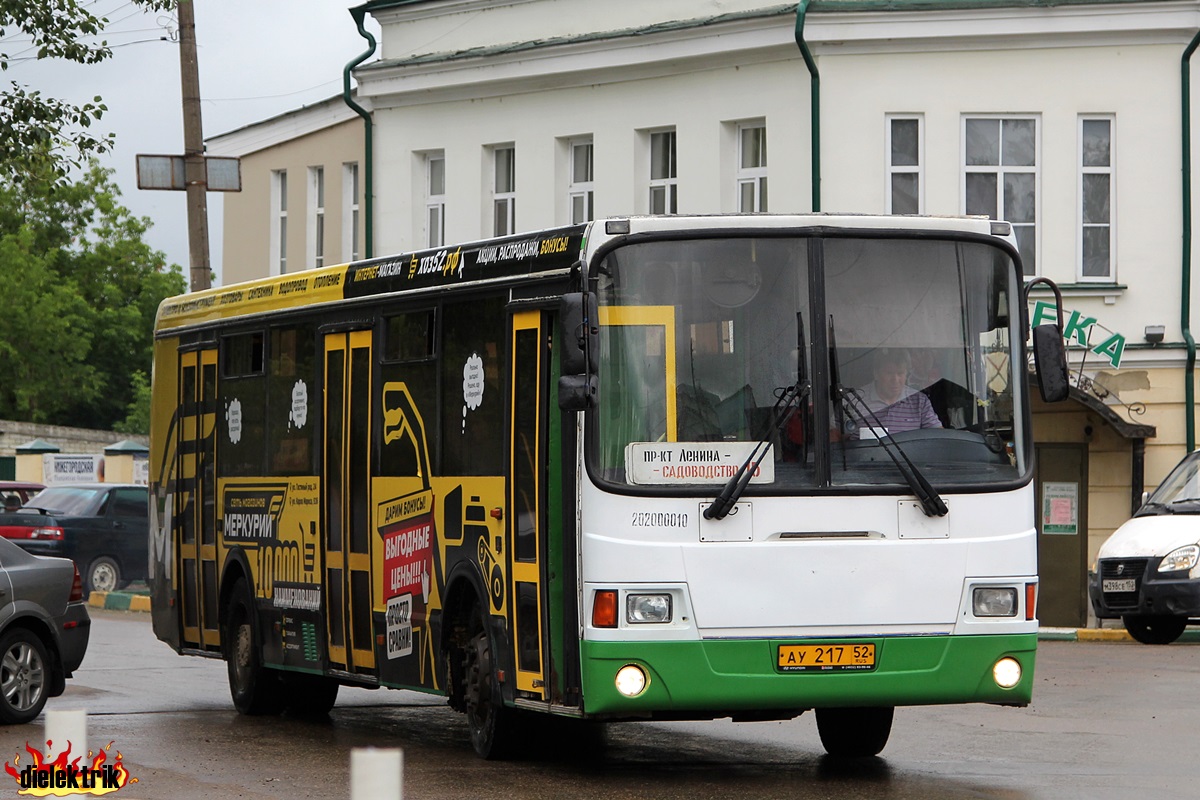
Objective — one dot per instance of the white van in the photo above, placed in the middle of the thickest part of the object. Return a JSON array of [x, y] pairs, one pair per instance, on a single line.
[[1148, 572]]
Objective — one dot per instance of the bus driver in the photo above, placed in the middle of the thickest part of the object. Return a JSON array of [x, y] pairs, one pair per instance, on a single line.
[[895, 405]]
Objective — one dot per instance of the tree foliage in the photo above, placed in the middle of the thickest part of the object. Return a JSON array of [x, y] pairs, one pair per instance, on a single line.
[[37, 127], [81, 288]]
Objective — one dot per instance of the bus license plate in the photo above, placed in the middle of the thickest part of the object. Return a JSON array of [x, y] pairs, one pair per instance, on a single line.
[[826, 657], [1122, 585]]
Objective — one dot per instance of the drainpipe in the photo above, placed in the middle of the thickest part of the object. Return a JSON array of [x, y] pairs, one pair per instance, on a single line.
[[815, 95], [1185, 309], [359, 15]]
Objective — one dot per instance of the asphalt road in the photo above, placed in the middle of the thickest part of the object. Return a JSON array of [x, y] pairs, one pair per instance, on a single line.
[[1109, 720]]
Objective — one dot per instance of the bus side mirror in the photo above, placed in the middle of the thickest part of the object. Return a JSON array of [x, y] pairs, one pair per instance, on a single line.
[[579, 323], [1050, 363], [1049, 351]]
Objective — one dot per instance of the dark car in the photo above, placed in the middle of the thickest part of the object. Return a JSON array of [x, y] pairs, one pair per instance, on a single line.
[[44, 629], [102, 527]]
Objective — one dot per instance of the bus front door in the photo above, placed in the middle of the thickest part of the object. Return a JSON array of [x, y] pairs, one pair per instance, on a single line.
[[527, 502], [346, 485], [195, 511]]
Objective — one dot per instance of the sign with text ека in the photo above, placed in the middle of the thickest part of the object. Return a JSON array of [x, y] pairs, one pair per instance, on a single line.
[[1076, 331]]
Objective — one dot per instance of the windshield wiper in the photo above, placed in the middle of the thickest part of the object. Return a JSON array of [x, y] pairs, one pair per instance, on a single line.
[[931, 502], [789, 400]]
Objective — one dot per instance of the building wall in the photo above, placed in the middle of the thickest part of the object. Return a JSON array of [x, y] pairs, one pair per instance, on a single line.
[[249, 215]]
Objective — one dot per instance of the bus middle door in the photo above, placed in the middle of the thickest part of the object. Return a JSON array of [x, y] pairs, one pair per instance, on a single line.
[[528, 498], [346, 486]]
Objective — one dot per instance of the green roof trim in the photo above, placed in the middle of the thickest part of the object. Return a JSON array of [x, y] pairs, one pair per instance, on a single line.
[[826, 6], [598, 36]]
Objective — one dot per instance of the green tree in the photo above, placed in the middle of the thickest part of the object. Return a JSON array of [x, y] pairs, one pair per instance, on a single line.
[[81, 290], [36, 127]]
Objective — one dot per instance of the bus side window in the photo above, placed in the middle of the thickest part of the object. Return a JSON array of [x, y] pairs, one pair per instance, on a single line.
[[473, 337], [292, 399]]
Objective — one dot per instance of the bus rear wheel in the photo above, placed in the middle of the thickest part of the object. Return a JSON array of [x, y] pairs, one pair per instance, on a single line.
[[854, 732], [493, 726], [256, 690]]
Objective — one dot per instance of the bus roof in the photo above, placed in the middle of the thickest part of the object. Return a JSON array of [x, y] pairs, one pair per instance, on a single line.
[[508, 258]]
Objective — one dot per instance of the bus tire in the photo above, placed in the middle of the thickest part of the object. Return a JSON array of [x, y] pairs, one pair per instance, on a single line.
[[1154, 628], [493, 725], [309, 696], [854, 732], [256, 690]]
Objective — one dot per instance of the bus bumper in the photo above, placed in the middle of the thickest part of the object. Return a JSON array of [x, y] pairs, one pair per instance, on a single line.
[[715, 678]]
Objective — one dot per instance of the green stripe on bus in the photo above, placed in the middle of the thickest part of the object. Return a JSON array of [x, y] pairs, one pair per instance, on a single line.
[[740, 675]]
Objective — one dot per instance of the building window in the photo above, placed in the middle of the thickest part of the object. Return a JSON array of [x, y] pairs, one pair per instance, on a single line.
[[504, 194], [1000, 176], [664, 193], [350, 212], [279, 212], [752, 168], [316, 216], [579, 187], [1096, 176], [905, 139], [435, 199]]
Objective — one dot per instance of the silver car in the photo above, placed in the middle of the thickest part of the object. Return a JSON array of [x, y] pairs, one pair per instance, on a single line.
[[44, 628]]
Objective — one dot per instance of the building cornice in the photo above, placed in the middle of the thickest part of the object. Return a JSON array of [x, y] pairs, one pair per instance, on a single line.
[[767, 35]]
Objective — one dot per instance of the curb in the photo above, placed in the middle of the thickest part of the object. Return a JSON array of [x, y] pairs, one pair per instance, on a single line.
[[119, 601]]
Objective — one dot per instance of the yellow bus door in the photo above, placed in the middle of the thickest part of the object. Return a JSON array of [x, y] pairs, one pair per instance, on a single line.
[[527, 501], [196, 501], [346, 488]]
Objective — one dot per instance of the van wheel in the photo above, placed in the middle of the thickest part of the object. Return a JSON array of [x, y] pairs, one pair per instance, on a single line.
[[1154, 628], [256, 690], [854, 732]]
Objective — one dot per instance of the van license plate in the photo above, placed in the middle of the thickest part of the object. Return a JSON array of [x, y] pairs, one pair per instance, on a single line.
[[1122, 585], [826, 657]]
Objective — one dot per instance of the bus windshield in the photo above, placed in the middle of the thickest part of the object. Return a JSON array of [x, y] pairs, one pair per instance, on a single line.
[[890, 344]]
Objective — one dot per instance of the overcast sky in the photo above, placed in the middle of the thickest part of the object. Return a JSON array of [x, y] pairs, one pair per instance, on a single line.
[[257, 58]]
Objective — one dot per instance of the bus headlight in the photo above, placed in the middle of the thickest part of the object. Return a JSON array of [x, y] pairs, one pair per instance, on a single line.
[[641, 608], [1180, 559], [987, 601], [1007, 672], [631, 680]]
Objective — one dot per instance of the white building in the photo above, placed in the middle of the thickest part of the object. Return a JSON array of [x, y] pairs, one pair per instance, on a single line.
[[1065, 117]]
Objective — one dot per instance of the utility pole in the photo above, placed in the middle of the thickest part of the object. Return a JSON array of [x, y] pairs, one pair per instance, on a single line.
[[195, 170]]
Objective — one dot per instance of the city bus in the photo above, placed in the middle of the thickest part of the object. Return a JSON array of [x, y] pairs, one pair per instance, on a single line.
[[634, 469]]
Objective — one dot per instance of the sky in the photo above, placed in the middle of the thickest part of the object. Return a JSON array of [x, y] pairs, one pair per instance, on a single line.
[[257, 59]]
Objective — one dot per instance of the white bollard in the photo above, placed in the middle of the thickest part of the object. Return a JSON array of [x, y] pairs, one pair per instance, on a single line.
[[68, 726], [376, 773]]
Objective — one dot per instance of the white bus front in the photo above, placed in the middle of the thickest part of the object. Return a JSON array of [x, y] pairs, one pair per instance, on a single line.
[[872, 543]]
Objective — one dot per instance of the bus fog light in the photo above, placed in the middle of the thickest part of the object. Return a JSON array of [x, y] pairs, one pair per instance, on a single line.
[[641, 608], [992, 602], [631, 680], [1007, 672]]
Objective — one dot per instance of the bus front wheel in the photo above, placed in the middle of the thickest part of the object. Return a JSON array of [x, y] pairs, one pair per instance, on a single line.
[[491, 723], [256, 690], [854, 732]]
